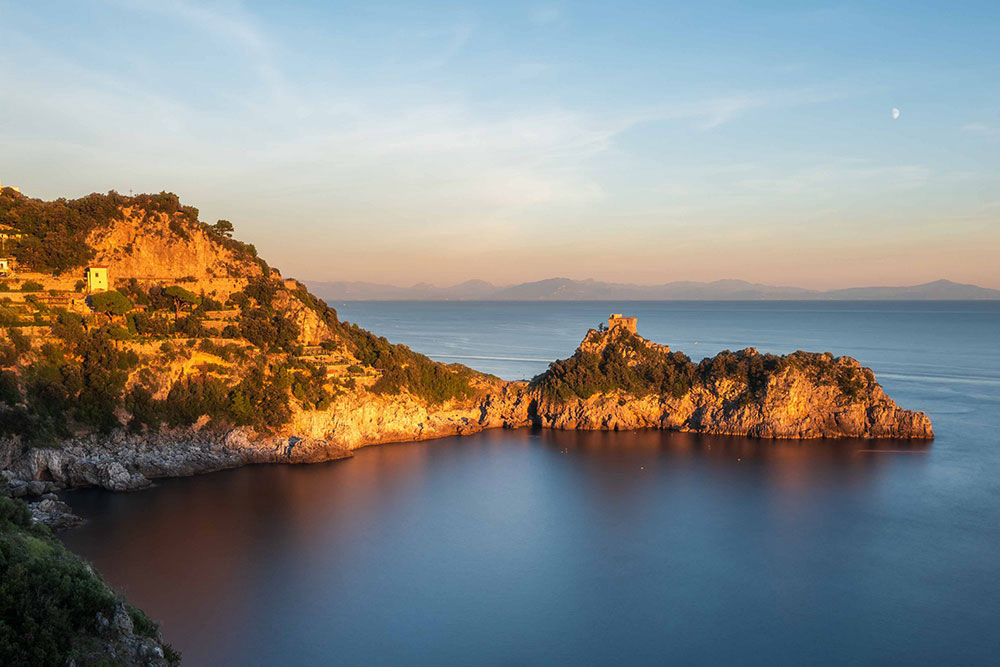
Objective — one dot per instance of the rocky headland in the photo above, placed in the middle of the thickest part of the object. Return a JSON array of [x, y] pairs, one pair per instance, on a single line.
[[619, 381], [203, 358]]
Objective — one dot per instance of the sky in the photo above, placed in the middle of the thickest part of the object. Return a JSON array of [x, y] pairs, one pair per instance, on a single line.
[[645, 142]]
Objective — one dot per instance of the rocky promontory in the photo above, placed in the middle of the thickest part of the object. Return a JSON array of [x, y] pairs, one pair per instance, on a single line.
[[618, 380]]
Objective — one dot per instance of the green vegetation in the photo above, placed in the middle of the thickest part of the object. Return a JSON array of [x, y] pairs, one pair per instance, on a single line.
[[55, 232], [99, 373], [260, 399], [262, 325], [223, 228], [62, 386], [111, 303], [50, 599], [631, 365], [403, 369], [628, 364], [181, 297]]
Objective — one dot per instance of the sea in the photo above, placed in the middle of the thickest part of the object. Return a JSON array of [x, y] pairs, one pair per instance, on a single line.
[[536, 547]]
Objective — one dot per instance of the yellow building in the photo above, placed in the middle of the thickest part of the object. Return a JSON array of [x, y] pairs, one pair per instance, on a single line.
[[6, 267], [97, 278]]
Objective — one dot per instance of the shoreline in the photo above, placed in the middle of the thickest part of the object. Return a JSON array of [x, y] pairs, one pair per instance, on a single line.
[[110, 471]]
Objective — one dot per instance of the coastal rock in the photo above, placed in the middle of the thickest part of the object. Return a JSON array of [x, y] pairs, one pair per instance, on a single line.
[[54, 513], [120, 643]]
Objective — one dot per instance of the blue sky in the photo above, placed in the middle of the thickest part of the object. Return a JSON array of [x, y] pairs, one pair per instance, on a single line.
[[628, 141]]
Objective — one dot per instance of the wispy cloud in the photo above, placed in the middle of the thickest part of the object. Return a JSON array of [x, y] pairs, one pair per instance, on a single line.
[[983, 130], [227, 24], [545, 14], [429, 136]]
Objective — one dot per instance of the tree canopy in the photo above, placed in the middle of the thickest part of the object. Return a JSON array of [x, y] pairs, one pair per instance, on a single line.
[[111, 303], [181, 297], [223, 228]]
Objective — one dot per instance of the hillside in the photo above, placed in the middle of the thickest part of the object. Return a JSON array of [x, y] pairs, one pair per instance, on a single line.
[[197, 335], [138, 342]]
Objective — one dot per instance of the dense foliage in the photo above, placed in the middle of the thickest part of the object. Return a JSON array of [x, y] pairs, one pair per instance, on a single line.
[[260, 399], [80, 383], [403, 369], [54, 233], [49, 598], [631, 365], [111, 303]]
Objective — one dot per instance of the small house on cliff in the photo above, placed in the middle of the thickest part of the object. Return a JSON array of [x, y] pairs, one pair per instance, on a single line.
[[97, 278], [617, 320]]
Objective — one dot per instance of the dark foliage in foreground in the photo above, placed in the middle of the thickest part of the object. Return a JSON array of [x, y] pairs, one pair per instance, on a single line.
[[49, 598]]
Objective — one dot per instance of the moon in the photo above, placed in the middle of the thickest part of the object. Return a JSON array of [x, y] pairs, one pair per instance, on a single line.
[[895, 113]]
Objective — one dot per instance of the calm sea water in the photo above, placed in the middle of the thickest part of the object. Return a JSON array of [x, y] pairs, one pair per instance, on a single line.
[[521, 547]]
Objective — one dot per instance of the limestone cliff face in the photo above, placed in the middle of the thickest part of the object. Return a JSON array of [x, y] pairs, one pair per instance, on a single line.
[[156, 247], [794, 408], [312, 329]]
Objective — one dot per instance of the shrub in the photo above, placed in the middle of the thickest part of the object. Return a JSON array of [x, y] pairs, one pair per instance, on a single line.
[[31, 286], [402, 369], [55, 232], [49, 598], [181, 297], [69, 327], [268, 330], [628, 364], [20, 342]]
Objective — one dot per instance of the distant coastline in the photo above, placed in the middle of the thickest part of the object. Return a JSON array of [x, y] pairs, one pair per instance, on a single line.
[[566, 289]]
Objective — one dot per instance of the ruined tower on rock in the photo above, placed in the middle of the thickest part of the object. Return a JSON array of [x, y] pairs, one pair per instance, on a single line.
[[617, 320]]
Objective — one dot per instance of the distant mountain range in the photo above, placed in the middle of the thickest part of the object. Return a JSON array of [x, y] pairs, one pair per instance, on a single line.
[[565, 289]]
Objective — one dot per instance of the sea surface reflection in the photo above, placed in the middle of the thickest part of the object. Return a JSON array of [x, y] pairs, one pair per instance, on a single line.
[[534, 547], [521, 547]]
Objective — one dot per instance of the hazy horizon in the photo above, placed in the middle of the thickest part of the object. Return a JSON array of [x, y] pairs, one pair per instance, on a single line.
[[553, 277], [514, 142]]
